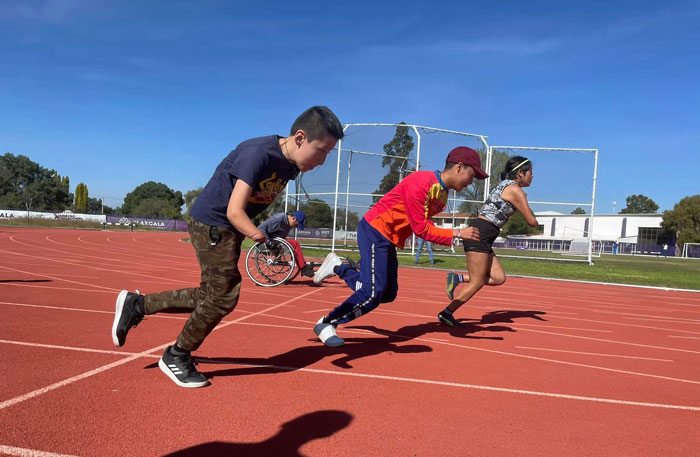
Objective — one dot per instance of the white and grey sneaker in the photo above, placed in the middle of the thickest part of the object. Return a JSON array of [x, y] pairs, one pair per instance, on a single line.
[[181, 369], [326, 333], [327, 267]]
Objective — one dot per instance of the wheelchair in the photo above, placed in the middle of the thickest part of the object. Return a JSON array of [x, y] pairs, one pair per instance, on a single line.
[[271, 263]]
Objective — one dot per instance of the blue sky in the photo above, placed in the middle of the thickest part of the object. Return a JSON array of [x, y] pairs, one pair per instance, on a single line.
[[116, 93]]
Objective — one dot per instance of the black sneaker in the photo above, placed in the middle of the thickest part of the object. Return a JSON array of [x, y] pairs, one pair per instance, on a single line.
[[448, 319], [181, 369], [308, 270], [354, 265], [125, 316]]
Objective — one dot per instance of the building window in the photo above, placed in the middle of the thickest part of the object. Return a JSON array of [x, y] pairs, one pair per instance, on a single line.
[[648, 236]]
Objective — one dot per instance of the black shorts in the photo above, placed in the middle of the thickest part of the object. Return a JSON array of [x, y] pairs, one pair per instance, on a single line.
[[488, 232]]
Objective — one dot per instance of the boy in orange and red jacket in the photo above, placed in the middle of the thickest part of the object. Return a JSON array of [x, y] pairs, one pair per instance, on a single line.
[[406, 209]]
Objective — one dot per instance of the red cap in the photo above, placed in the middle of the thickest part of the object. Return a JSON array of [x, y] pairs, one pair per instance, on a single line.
[[470, 157]]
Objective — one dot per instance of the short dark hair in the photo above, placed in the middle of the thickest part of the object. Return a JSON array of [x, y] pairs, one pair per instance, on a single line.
[[318, 122], [514, 165], [449, 165]]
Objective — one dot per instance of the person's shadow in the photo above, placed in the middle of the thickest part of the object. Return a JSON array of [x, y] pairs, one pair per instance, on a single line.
[[468, 326], [286, 443], [24, 280], [507, 316], [297, 358]]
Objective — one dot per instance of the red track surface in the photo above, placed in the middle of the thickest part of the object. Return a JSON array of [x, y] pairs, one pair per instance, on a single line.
[[542, 367]]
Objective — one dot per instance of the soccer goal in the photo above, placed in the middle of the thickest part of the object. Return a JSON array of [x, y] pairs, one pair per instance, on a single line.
[[370, 160], [562, 195], [691, 250]]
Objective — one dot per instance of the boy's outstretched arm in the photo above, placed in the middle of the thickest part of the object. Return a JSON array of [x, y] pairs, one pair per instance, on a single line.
[[236, 211]]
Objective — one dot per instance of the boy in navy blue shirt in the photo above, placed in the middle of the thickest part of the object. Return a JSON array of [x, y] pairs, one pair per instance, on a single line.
[[243, 185]]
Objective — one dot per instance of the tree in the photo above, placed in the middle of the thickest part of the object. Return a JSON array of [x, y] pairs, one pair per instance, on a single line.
[[684, 220], [517, 225], [96, 206], [475, 191], [639, 204], [400, 147], [26, 184], [578, 210], [81, 198], [162, 201], [318, 214], [191, 197], [353, 221]]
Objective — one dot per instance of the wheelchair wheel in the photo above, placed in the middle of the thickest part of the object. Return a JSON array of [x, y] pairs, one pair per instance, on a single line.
[[271, 264]]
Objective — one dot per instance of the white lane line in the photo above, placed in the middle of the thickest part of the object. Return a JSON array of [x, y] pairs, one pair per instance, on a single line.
[[57, 288], [65, 382], [57, 278], [146, 353], [688, 337], [493, 351], [611, 341], [664, 320], [394, 378], [622, 324], [73, 348], [594, 353], [62, 308], [22, 452], [619, 313], [479, 387]]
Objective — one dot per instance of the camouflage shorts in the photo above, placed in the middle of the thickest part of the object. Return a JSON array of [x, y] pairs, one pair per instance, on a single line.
[[218, 250]]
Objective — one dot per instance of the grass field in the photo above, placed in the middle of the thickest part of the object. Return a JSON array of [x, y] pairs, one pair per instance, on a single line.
[[621, 269]]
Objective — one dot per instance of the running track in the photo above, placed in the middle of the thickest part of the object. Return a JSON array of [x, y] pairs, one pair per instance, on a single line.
[[541, 368]]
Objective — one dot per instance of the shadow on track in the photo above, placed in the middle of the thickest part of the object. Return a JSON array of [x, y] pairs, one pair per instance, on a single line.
[[469, 326], [291, 436]]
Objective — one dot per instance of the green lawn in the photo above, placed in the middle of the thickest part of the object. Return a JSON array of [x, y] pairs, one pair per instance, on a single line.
[[637, 270]]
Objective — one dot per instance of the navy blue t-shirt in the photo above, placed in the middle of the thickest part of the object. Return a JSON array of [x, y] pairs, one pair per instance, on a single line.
[[259, 162]]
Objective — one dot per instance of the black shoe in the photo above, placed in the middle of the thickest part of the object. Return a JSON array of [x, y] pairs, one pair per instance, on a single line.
[[308, 270], [448, 319], [125, 316], [354, 265], [181, 369]]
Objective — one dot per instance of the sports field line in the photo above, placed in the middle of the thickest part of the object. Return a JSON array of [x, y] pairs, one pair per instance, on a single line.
[[493, 351], [477, 387], [73, 348], [594, 353], [81, 265], [65, 382], [23, 452], [608, 284], [374, 376], [44, 275]]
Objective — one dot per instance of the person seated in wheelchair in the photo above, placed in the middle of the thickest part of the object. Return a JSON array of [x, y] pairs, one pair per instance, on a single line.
[[280, 225]]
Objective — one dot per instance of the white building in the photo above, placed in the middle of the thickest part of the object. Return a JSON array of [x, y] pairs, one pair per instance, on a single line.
[[624, 228]]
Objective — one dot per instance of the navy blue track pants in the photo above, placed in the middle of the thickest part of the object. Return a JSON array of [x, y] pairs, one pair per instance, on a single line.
[[375, 283]]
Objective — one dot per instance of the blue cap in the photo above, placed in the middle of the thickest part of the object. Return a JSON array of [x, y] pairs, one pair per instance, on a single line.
[[301, 217]]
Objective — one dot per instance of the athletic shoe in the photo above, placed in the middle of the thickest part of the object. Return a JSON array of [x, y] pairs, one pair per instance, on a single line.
[[308, 270], [125, 316], [181, 369], [326, 333], [448, 319], [327, 268], [452, 281], [354, 265]]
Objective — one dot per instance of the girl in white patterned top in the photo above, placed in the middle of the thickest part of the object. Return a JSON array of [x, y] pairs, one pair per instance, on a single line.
[[482, 263]]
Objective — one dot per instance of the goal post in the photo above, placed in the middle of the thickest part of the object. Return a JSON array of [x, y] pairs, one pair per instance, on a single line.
[[691, 250], [560, 183]]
